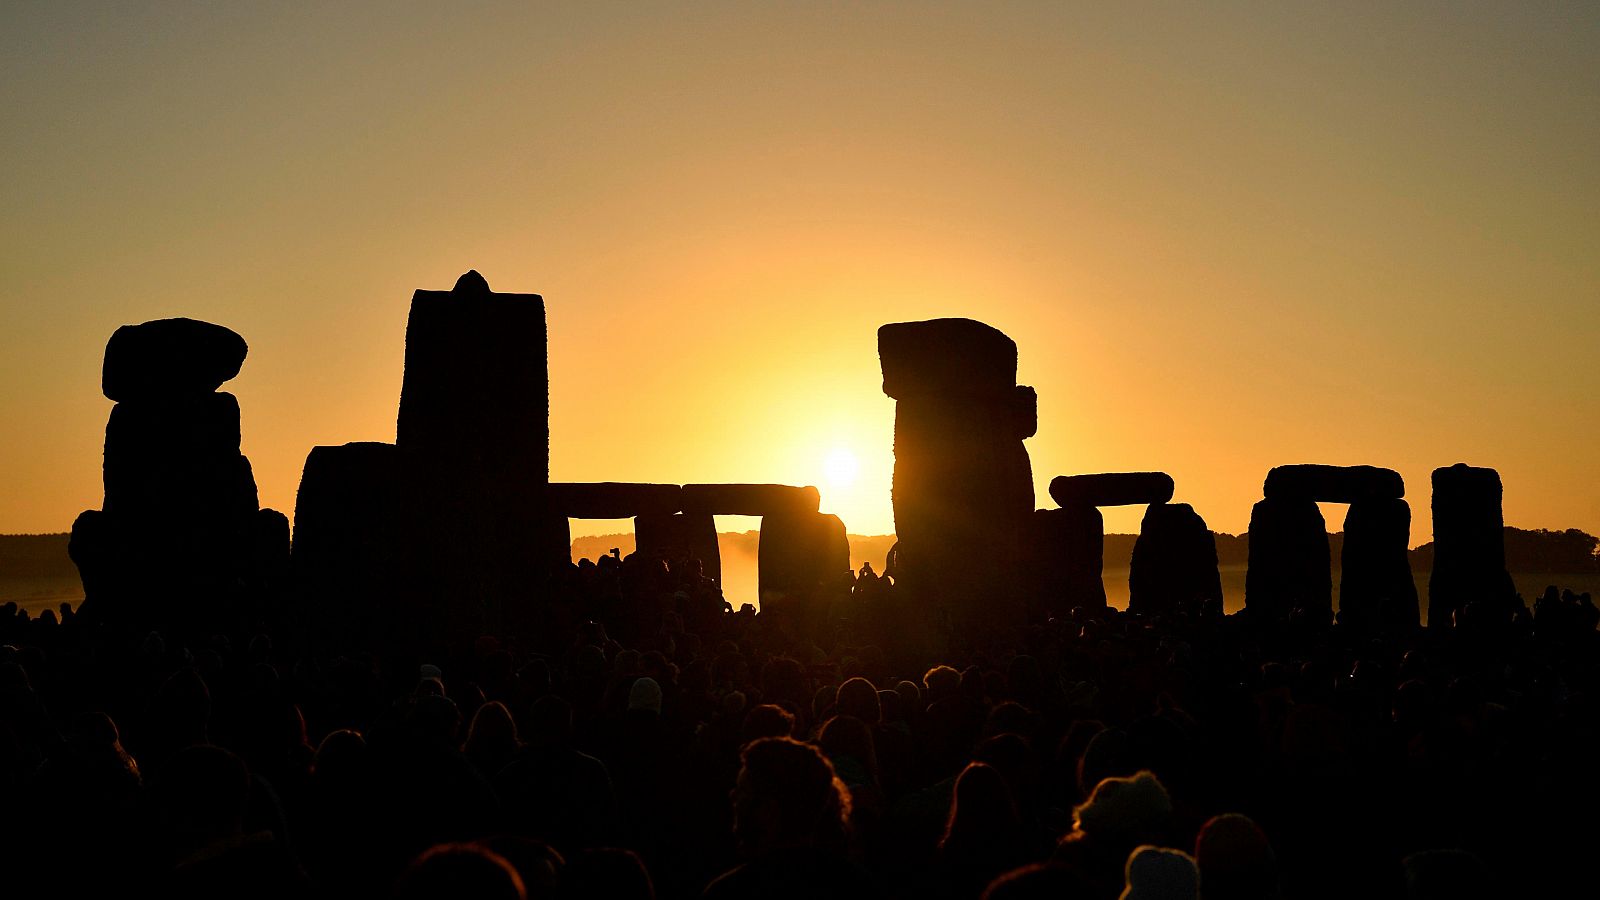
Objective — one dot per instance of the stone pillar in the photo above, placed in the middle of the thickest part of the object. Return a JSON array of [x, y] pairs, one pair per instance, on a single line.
[[1376, 590], [678, 536], [474, 440], [180, 531], [347, 561], [1289, 559], [963, 486], [1469, 550], [1174, 563], [1068, 559], [801, 557], [1289, 544]]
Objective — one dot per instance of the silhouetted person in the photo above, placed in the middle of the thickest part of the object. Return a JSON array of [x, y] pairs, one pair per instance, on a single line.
[[554, 792], [1120, 814], [492, 739], [766, 720], [538, 864], [790, 819], [1235, 860], [452, 871], [983, 835], [1157, 873], [202, 794]]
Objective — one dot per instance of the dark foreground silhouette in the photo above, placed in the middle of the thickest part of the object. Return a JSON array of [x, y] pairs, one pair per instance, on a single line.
[[675, 748], [427, 699]]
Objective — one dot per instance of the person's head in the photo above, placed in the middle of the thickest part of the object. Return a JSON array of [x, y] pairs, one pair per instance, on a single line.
[[645, 696], [782, 678], [941, 682], [787, 796], [766, 720], [492, 727], [1156, 873], [538, 864], [848, 736], [890, 706], [981, 807], [1235, 860], [341, 754], [1126, 811], [449, 871], [910, 698], [857, 697]]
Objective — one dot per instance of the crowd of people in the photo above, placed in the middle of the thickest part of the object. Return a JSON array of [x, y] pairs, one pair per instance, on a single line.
[[661, 744]]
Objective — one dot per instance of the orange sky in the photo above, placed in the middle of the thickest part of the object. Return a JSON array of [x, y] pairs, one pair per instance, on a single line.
[[1223, 238]]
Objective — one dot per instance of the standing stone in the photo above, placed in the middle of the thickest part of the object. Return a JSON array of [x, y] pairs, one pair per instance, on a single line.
[[1174, 563], [178, 459], [474, 441], [1289, 560], [801, 557], [963, 486], [1376, 590], [349, 515], [680, 536], [180, 541], [1469, 551], [1068, 559]]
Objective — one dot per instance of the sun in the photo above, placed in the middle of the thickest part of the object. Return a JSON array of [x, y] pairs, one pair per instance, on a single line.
[[840, 468]]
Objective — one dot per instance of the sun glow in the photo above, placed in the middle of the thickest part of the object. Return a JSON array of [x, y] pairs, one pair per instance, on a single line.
[[840, 468]]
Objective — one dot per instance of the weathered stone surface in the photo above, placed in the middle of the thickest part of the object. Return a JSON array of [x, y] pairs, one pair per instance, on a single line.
[[1333, 484], [1068, 559], [169, 358], [954, 462], [178, 543], [473, 435], [89, 548], [1111, 489], [196, 426], [1174, 563], [800, 556], [1289, 560], [1376, 590], [613, 499], [476, 388], [679, 536], [347, 511], [963, 486], [946, 358], [177, 458], [1024, 406], [750, 499], [1469, 551], [270, 547]]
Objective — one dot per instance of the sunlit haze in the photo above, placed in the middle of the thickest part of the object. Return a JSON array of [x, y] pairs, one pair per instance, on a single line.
[[1223, 237]]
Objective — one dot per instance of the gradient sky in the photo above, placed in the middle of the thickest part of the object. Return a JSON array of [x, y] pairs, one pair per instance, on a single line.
[[1224, 236]]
